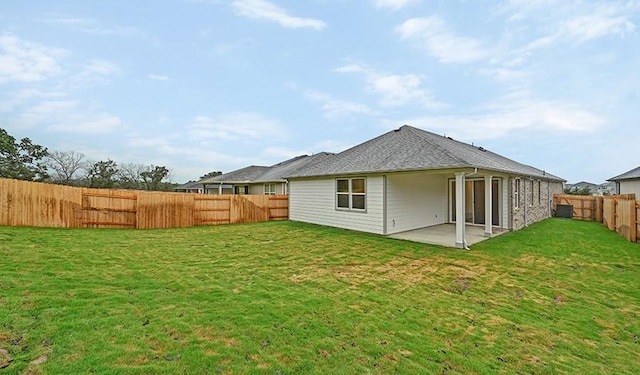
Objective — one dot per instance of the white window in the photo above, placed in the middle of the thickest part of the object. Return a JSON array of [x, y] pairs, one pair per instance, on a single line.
[[516, 193], [539, 192], [351, 193], [531, 194], [269, 189]]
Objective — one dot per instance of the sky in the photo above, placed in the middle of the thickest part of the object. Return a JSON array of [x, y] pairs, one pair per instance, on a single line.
[[217, 85]]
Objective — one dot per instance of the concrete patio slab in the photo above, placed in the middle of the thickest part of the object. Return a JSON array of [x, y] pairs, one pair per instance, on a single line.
[[445, 234]]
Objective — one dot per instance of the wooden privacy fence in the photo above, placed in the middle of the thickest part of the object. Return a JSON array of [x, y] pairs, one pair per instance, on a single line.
[[24, 203], [617, 212]]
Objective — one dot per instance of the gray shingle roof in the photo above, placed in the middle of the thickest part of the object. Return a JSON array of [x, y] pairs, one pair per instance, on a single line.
[[278, 171], [274, 173], [189, 185], [412, 149], [630, 175], [249, 173]]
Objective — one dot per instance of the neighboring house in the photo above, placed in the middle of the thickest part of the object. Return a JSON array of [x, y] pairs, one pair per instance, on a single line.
[[410, 178], [628, 182], [606, 188], [582, 186], [190, 187], [259, 179]]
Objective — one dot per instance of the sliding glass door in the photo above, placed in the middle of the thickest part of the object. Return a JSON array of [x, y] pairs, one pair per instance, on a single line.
[[474, 199]]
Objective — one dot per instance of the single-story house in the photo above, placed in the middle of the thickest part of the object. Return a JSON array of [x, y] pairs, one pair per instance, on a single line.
[[409, 178], [628, 182], [582, 186], [190, 187], [593, 189], [258, 180]]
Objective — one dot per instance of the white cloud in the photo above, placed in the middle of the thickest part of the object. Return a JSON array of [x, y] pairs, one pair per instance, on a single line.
[[594, 20], [399, 90], [158, 77], [92, 26], [68, 116], [351, 68], [101, 67], [513, 114], [433, 34], [331, 145], [262, 9], [236, 126], [88, 123], [395, 90], [281, 154], [393, 4], [11, 100], [26, 61], [335, 109], [603, 22]]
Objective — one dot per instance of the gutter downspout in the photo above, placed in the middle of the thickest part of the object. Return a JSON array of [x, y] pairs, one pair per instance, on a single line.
[[526, 224], [548, 199]]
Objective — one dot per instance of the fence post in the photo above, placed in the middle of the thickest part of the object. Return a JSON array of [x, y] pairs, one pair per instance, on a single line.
[[599, 209], [633, 225]]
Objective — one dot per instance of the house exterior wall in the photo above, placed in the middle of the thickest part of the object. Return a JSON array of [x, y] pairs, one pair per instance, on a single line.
[[534, 201], [505, 221], [314, 201], [258, 189], [416, 201], [629, 187], [215, 191]]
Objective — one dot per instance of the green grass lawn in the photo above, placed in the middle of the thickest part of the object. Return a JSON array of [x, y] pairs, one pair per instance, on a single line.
[[560, 297]]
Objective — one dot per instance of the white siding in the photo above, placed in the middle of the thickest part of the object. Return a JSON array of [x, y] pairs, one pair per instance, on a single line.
[[415, 201], [507, 203], [629, 187], [314, 201], [258, 189]]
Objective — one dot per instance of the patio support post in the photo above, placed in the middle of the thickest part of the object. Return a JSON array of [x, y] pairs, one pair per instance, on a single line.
[[488, 205], [220, 189], [460, 216]]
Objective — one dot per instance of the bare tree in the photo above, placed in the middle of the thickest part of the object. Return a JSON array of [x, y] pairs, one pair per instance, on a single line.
[[130, 175], [65, 164]]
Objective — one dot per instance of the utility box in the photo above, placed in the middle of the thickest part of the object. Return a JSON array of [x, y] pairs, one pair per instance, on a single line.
[[564, 211]]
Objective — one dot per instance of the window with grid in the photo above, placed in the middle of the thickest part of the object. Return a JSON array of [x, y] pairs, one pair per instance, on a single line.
[[351, 194], [269, 189]]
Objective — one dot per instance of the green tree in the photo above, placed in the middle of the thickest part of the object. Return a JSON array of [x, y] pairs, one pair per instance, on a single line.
[[211, 174], [154, 176], [578, 191], [22, 160], [101, 174]]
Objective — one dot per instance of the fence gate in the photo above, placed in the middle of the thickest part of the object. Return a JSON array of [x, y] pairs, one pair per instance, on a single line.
[[105, 210]]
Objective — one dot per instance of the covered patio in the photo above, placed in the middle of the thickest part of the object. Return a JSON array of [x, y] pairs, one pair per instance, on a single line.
[[445, 234]]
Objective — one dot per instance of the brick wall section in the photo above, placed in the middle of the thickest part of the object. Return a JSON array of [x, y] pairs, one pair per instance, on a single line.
[[534, 200]]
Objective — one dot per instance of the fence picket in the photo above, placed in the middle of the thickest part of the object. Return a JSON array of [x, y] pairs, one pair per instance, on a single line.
[[26, 203]]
